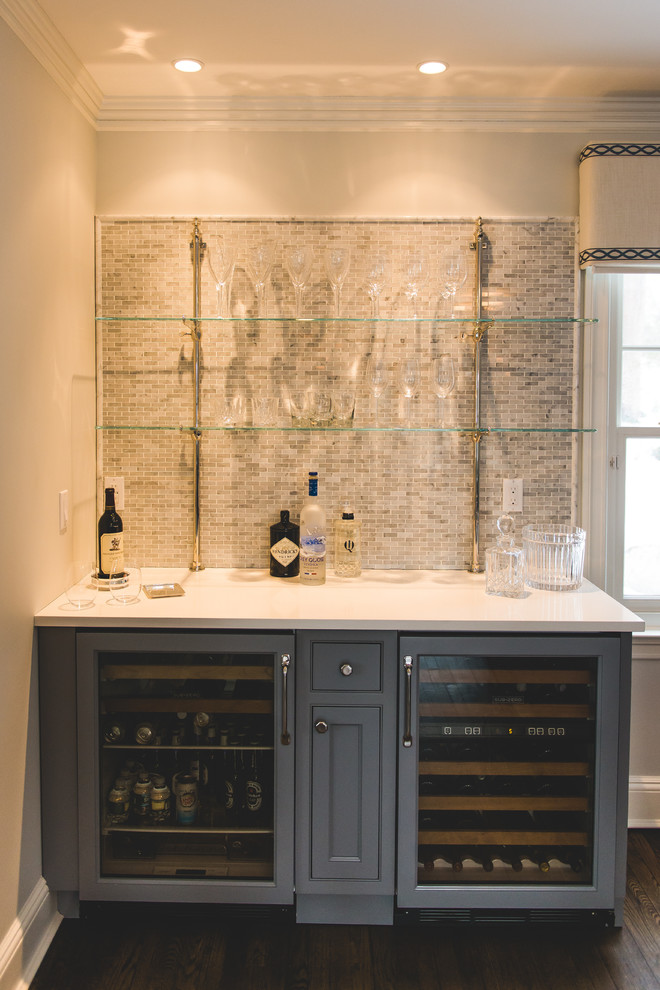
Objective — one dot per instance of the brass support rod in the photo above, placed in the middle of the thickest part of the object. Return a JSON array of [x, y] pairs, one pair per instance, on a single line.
[[197, 248], [477, 246]]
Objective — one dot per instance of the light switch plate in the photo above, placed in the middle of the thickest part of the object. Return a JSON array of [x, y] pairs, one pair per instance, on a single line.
[[63, 498]]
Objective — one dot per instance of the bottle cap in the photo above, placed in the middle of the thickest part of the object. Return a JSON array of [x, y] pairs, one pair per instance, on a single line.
[[347, 512], [284, 515]]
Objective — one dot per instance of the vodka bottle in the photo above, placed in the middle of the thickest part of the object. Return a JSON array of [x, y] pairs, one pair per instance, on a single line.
[[348, 544], [312, 536]]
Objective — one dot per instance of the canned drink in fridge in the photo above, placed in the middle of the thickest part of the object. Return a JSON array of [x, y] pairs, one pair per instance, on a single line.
[[118, 804], [186, 797], [160, 799]]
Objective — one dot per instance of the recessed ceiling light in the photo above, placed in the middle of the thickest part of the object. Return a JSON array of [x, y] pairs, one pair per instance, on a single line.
[[187, 64], [432, 68]]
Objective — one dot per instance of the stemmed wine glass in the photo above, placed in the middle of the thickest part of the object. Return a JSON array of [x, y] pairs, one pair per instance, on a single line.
[[442, 376], [454, 276], [408, 377], [298, 259], [259, 265], [376, 275], [222, 260], [378, 377], [337, 259], [414, 277]]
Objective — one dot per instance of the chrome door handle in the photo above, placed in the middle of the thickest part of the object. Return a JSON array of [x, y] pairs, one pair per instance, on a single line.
[[285, 737], [321, 726], [407, 728]]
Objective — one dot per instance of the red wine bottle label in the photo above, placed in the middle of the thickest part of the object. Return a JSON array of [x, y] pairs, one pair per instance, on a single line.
[[284, 551], [112, 553]]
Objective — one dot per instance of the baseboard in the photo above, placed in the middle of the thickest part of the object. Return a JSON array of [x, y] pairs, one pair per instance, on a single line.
[[644, 802], [25, 943]]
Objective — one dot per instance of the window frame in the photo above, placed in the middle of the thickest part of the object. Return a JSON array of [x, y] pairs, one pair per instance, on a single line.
[[603, 469]]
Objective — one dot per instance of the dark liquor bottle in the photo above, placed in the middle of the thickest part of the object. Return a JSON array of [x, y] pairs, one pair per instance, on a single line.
[[111, 539], [284, 547], [254, 790]]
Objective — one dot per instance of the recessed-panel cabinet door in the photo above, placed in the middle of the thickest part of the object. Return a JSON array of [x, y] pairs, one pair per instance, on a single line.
[[345, 798]]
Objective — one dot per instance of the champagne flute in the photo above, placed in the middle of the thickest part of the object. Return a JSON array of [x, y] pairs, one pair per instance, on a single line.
[[298, 259], [260, 260], [442, 375], [454, 277], [414, 278], [377, 272], [408, 377], [337, 259], [222, 260], [378, 377]]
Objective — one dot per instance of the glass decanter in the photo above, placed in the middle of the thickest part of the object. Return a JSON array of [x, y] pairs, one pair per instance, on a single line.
[[505, 563]]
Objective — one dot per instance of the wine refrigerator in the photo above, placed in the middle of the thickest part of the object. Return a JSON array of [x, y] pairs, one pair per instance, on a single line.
[[513, 761], [185, 767]]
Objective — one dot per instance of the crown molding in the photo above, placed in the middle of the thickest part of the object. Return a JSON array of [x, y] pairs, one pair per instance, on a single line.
[[40, 36], [377, 114]]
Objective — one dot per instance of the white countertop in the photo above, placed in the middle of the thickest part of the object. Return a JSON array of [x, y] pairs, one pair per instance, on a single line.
[[421, 601]]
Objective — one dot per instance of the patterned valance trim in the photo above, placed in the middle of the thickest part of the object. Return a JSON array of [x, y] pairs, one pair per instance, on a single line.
[[619, 254], [619, 150]]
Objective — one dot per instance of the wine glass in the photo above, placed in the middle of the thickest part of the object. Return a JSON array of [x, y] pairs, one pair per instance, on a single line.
[[337, 259], [378, 377], [442, 376], [376, 275], [414, 278], [298, 259], [259, 265], [222, 260], [408, 378], [454, 276]]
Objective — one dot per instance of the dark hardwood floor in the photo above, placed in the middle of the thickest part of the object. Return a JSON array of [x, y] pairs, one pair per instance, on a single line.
[[139, 952]]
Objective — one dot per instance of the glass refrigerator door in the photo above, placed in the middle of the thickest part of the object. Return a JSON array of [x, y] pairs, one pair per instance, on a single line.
[[509, 772], [186, 753], [506, 770]]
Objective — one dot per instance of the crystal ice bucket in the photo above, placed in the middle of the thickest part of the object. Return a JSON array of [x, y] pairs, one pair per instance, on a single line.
[[554, 557]]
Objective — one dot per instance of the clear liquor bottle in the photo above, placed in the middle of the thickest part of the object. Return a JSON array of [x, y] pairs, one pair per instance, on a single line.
[[312, 536], [348, 544]]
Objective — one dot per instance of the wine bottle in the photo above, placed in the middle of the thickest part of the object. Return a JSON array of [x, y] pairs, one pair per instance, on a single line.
[[284, 547], [348, 544], [111, 539], [312, 536]]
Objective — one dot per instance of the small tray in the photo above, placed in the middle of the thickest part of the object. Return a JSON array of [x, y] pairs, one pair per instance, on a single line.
[[163, 590]]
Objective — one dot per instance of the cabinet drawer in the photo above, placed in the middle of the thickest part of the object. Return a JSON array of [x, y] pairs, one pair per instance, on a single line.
[[347, 666]]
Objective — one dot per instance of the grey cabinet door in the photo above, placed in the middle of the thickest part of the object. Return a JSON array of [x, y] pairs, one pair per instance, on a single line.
[[345, 798]]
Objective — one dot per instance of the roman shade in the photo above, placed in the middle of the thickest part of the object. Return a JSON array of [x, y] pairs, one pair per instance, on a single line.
[[619, 204]]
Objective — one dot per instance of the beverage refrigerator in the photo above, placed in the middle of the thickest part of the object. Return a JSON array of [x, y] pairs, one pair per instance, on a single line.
[[513, 775], [203, 719]]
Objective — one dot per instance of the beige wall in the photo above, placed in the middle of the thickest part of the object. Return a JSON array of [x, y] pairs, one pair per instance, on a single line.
[[446, 174], [46, 405]]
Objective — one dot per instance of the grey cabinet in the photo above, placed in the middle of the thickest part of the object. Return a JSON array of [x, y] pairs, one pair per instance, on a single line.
[[513, 779], [211, 715], [345, 778], [423, 777]]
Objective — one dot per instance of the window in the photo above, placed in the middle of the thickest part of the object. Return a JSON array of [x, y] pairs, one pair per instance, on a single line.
[[621, 479]]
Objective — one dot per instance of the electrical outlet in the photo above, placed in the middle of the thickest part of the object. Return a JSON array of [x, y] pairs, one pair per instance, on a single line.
[[118, 485], [512, 495]]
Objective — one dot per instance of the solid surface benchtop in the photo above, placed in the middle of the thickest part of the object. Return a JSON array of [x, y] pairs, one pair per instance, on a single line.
[[420, 601]]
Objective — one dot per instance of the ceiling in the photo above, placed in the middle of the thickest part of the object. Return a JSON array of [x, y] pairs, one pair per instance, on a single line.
[[314, 58]]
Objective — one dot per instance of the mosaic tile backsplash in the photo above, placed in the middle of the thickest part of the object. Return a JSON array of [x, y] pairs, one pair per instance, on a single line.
[[412, 488]]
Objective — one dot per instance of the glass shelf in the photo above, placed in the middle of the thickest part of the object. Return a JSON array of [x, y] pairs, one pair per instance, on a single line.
[[459, 321], [484, 430]]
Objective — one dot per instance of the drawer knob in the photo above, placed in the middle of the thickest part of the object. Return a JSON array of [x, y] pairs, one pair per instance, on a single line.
[[321, 726], [346, 669]]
